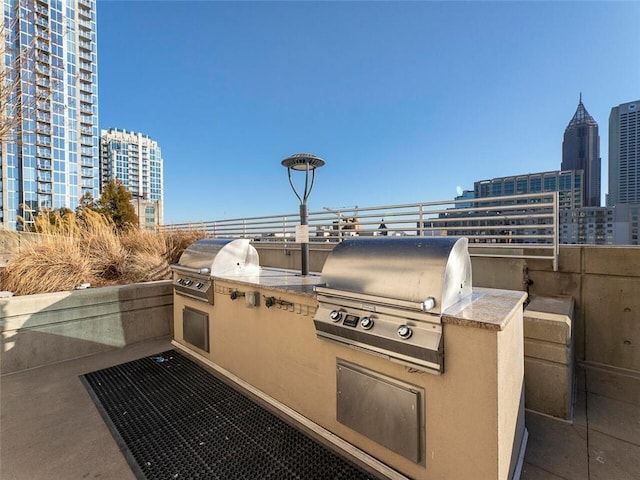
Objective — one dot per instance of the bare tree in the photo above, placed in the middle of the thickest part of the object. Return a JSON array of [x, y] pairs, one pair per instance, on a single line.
[[17, 75]]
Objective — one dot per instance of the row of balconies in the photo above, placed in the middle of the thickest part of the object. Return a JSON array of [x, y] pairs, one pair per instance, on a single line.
[[42, 33], [43, 128], [86, 161], [42, 10], [84, 55], [84, 34], [43, 140], [44, 188], [85, 87], [86, 109], [84, 24], [86, 119], [43, 152], [43, 46], [43, 82], [44, 176], [84, 12], [85, 45], [43, 58]]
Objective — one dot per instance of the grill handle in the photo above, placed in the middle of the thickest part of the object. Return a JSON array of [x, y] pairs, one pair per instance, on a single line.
[[424, 306], [190, 271]]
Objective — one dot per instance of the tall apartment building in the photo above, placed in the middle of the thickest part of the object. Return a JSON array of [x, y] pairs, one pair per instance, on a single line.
[[624, 154], [581, 151], [49, 158], [617, 225], [135, 160]]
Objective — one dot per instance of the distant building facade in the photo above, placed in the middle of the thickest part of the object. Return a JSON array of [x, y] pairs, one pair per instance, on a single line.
[[616, 225], [50, 158], [135, 160], [569, 185], [581, 151], [624, 154]]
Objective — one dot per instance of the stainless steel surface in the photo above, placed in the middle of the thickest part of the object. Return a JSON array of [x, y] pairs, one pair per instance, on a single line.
[[382, 409], [411, 269], [385, 296], [208, 258], [216, 256], [195, 328]]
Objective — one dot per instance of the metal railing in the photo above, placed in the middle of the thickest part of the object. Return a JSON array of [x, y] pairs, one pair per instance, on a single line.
[[517, 226]]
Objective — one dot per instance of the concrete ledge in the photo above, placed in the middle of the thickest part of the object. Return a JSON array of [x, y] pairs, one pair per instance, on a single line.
[[548, 361], [48, 328]]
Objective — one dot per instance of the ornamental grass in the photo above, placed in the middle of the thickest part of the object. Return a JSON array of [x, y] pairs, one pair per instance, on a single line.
[[71, 252]]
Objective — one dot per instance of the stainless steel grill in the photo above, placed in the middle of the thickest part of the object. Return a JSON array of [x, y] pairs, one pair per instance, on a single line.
[[386, 296], [208, 258]]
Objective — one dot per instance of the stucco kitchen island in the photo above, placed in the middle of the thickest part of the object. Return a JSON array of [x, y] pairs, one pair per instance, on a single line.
[[258, 332]]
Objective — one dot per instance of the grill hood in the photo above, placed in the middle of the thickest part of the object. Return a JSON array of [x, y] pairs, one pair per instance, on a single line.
[[406, 269]]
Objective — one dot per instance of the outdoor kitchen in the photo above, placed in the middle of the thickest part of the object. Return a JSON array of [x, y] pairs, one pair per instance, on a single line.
[[389, 355]]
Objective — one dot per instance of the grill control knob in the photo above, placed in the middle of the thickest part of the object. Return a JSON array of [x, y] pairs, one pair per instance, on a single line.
[[335, 315], [366, 323], [404, 332]]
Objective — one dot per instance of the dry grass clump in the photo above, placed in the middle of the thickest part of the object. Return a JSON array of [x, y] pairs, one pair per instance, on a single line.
[[74, 251], [47, 267]]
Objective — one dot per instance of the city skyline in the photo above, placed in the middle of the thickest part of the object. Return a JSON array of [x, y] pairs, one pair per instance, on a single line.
[[377, 90]]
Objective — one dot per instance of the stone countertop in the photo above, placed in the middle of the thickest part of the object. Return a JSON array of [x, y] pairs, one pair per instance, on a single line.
[[488, 308], [278, 279]]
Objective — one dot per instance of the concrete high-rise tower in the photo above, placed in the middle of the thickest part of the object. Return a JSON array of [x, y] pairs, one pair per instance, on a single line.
[[581, 151], [624, 154], [135, 160], [49, 158]]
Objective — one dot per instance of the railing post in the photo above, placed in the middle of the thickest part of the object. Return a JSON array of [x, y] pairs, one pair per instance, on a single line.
[[556, 227]]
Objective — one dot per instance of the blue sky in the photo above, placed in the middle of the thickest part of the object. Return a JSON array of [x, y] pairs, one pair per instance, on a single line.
[[405, 101]]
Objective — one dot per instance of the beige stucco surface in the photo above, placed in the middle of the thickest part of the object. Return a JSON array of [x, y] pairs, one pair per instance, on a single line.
[[473, 412]]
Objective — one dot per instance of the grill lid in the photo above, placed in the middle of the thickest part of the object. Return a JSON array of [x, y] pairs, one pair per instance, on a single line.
[[220, 257], [410, 269]]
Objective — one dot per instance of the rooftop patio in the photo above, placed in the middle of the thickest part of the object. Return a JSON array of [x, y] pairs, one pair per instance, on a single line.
[[50, 428]]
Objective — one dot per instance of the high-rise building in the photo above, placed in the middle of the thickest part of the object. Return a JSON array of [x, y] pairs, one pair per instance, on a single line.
[[581, 151], [136, 161], [49, 158], [569, 185], [624, 154]]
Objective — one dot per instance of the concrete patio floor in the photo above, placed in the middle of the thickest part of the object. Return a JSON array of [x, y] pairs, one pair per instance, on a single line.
[[50, 428]]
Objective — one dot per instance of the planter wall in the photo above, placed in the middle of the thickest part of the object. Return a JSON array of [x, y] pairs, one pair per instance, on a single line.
[[47, 328]]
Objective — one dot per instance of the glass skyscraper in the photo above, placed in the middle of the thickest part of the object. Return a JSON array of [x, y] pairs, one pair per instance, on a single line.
[[624, 154], [49, 159], [581, 151], [135, 160]]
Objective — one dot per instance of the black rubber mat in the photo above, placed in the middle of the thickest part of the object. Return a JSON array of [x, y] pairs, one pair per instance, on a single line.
[[175, 420]]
